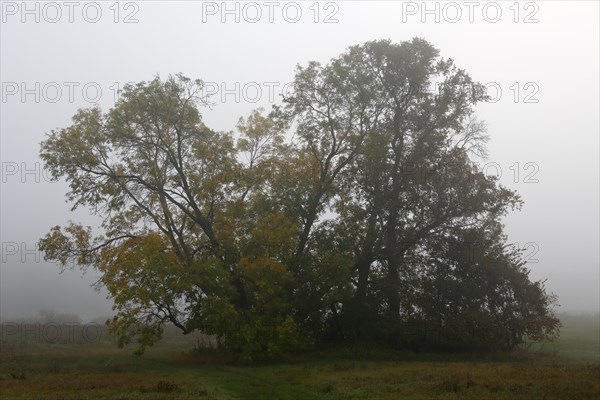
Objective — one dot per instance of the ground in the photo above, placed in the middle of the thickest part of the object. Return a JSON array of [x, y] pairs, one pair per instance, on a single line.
[[566, 369]]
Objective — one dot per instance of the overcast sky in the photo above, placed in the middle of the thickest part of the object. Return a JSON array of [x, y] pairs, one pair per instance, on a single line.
[[540, 60]]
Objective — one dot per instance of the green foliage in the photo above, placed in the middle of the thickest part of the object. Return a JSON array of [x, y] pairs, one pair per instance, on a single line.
[[345, 213]]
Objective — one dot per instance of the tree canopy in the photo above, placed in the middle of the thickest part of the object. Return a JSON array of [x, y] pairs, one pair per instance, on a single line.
[[354, 211]]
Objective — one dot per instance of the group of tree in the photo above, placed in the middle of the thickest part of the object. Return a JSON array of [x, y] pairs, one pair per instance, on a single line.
[[354, 211]]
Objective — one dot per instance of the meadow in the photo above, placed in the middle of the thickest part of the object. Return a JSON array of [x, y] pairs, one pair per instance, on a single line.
[[77, 368]]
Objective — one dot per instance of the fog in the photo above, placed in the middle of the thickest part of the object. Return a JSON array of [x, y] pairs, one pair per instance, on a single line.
[[539, 59]]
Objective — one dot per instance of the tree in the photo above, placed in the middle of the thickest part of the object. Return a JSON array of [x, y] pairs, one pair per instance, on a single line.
[[178, 220], [333, 216]]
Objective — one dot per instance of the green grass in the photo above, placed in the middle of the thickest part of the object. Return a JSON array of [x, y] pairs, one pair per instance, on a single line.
[[101, 371], [579, 339]]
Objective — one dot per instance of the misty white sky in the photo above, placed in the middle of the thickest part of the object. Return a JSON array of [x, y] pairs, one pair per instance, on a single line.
[[540, 59]]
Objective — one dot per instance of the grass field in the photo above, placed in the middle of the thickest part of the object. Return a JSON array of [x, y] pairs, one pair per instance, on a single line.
[[579, 339], [566, 369]]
